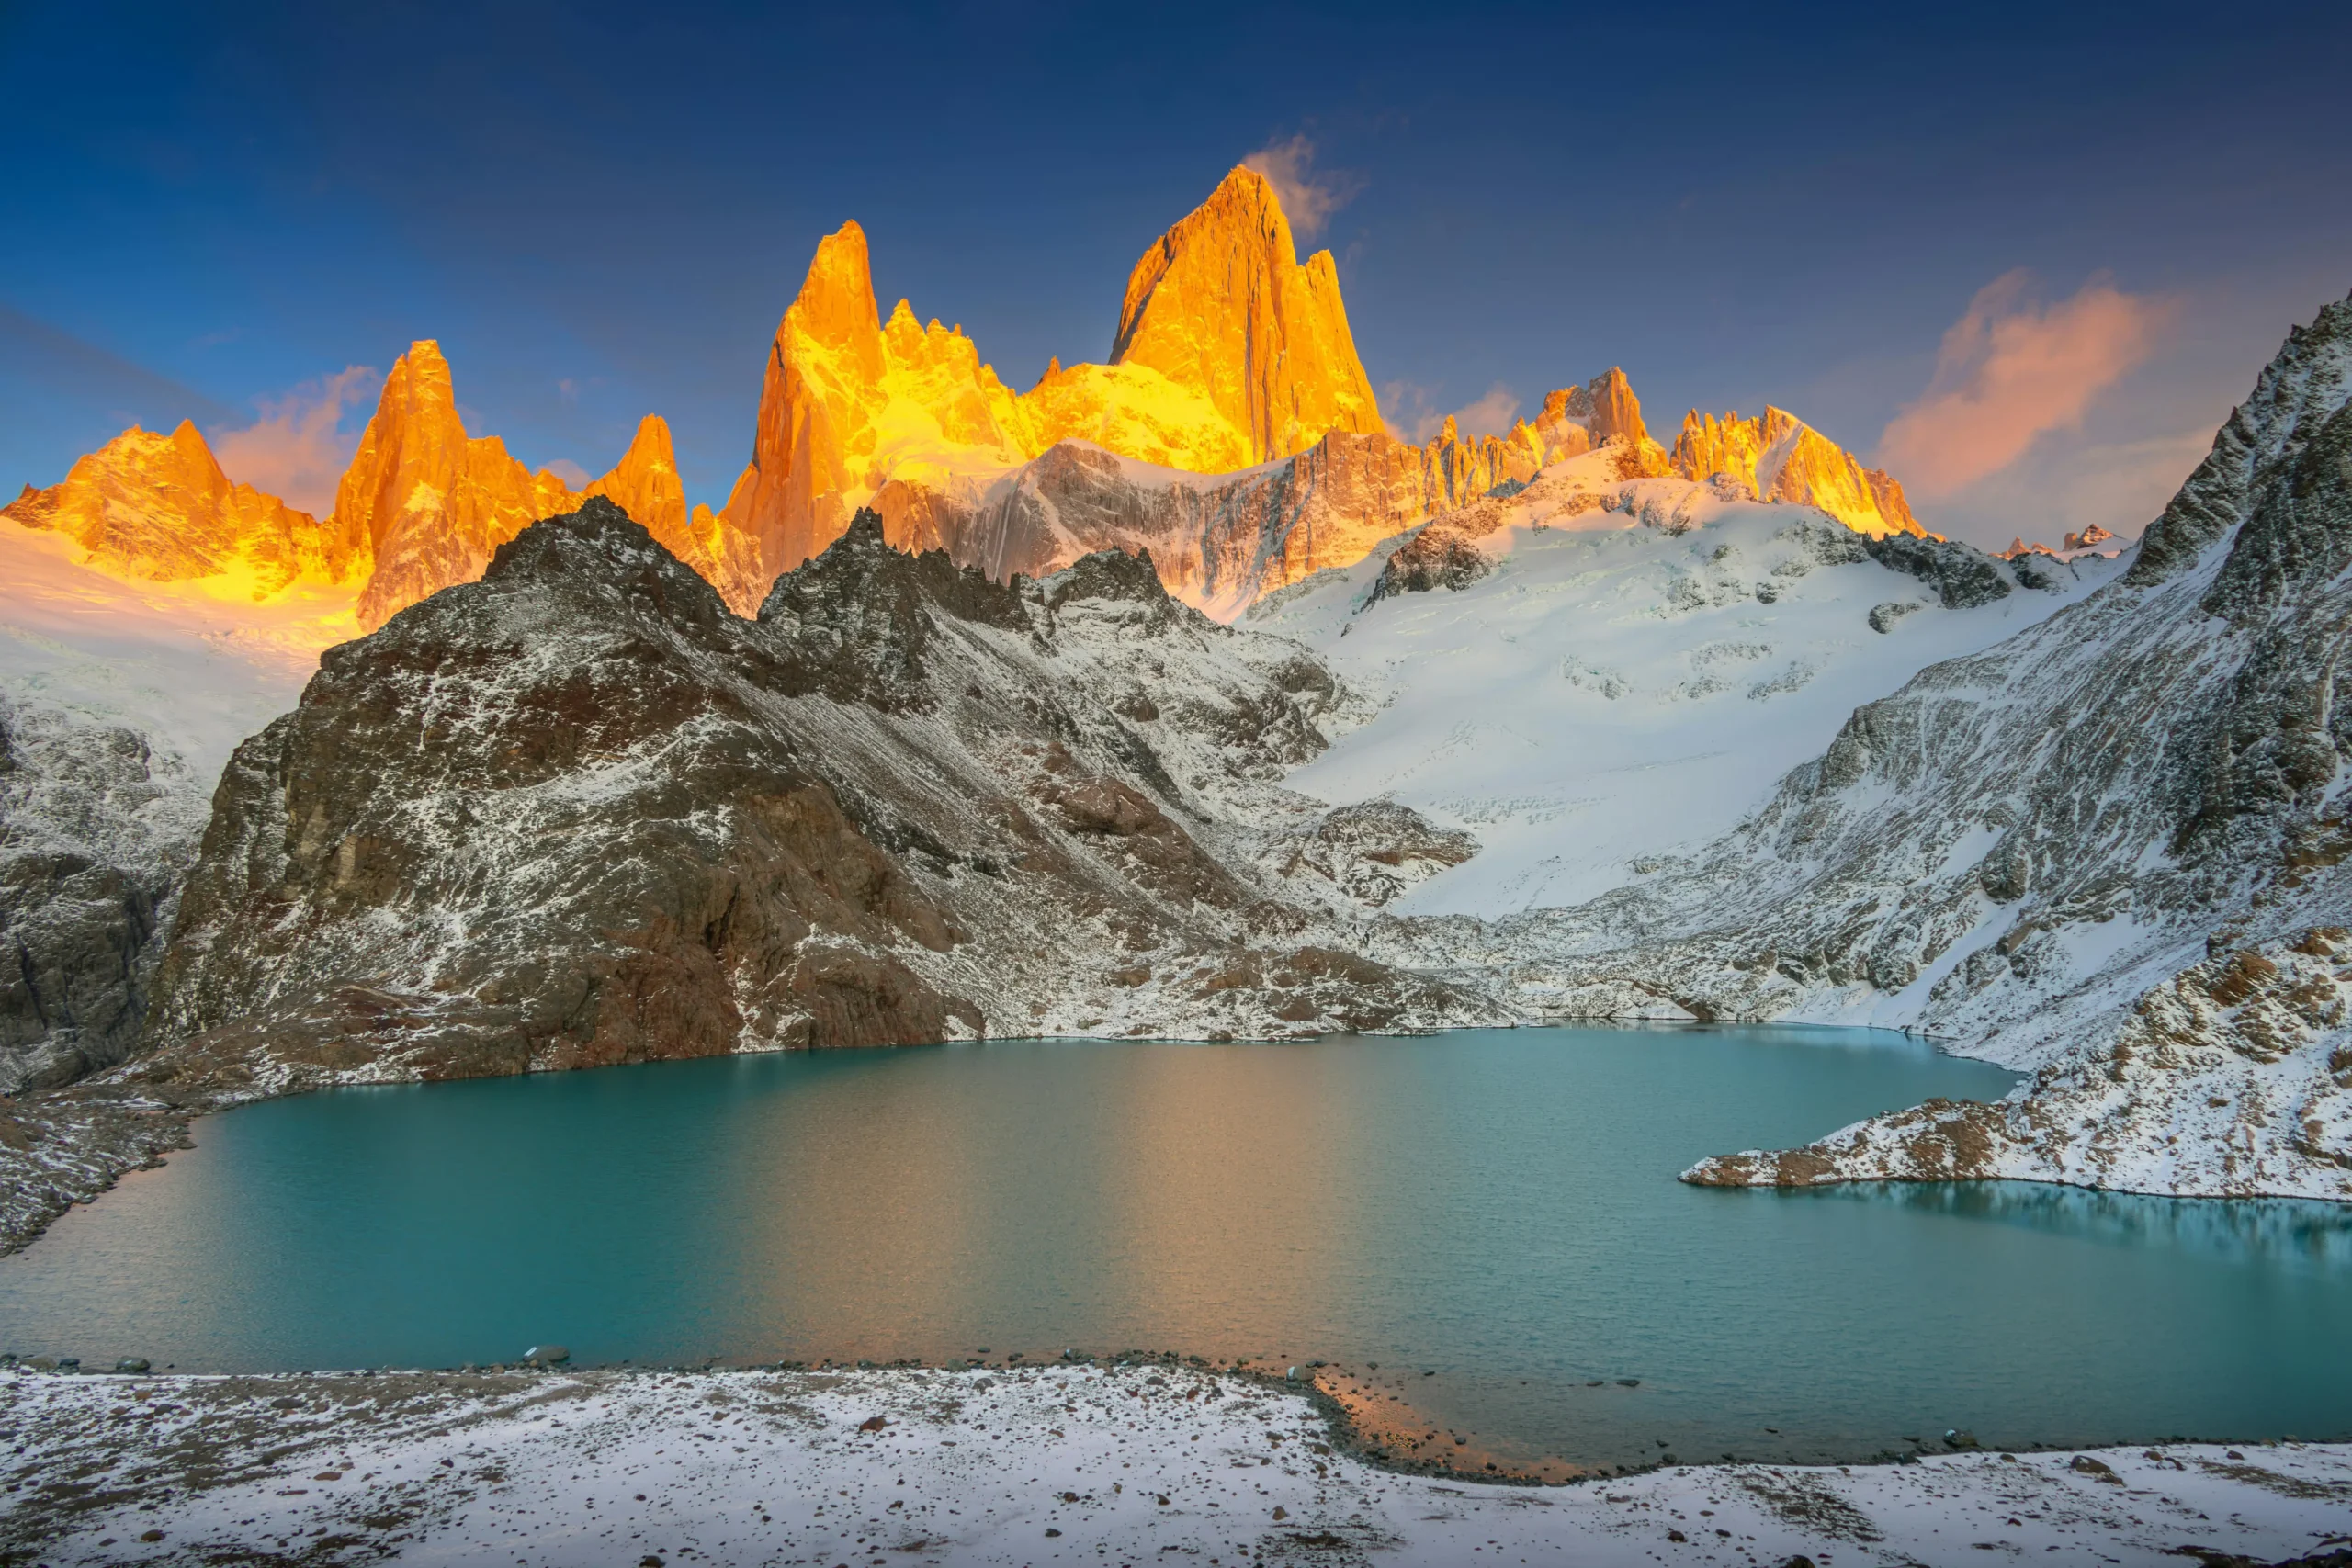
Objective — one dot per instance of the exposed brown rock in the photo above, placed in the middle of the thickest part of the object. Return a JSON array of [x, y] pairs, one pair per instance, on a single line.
[[578, 813]]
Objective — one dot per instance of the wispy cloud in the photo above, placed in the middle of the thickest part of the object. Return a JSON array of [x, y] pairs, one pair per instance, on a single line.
[[1411, 412], [570, 473], [1308, 196], [2066, 486], [2009, 370], [298, 450], [64, 365], [1490, 415]]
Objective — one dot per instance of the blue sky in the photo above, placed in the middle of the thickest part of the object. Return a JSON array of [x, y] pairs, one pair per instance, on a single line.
[[601, 210]]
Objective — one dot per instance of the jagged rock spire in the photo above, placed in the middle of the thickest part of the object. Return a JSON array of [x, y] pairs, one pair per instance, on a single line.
[[1221, 304]]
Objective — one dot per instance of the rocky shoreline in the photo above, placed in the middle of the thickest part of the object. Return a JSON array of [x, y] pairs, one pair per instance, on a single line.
[[1075, 1460], [60, 1147]]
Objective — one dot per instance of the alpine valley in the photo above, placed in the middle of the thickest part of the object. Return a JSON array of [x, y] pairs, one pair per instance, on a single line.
[[1179, 696]]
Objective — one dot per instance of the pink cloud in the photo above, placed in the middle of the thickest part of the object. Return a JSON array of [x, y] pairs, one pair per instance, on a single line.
[[1490, 415], [1308, 199], [297, 451], [1413, 415], [2009, 370]]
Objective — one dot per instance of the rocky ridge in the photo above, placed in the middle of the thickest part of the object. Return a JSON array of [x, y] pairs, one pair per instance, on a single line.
[[2110, 848], [1232, 371], [1230, 352], [431, 501], [905, 804], [157, 508], [1780, 457], [1222, 543]]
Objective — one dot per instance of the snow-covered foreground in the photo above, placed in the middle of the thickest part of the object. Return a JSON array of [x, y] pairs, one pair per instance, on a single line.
[[1135, 1463], [1625, 682]]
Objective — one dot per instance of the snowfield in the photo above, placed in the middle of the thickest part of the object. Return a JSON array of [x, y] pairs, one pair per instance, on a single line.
[[194, 668], [1643, 663]]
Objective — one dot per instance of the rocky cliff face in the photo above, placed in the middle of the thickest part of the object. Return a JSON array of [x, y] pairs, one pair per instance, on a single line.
[[2112, 847], [1222, 306], [905, 804], [1580, 419], [644, 484], [1229, 353], [431, 501], [90, 860], [846, 405], [157, 508], [1784, 459], [1222, 541]]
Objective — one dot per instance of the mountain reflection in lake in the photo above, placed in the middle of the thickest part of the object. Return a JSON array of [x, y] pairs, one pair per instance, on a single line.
[[1497, 1206], [2267, 1231]]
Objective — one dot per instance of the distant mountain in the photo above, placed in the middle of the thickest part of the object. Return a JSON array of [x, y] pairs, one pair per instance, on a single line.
[[1230, 352], [1232, 432], [1223, 542], [158, 509], [2112, 850], [1780, 457], [1593, 673]]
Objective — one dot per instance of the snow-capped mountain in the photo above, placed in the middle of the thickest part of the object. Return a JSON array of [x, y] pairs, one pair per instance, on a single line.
[[2110, 849], [1780, 457], [1230, 354], [1232, 432], [1597, 673], [150, 508], [1045, 731]]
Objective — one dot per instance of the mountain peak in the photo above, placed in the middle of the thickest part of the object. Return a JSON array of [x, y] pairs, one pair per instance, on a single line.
[[835, 306], [1605, 406], [1784, 459], [157, 508], [1229, 353], [428, 502], [1222, 307], [646, 485]]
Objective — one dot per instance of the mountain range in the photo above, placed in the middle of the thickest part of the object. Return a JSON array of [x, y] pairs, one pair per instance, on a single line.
[[1176, 697], [1232, 431]]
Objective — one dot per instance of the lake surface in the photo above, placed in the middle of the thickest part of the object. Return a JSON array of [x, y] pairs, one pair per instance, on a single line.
[[1497, 1207]]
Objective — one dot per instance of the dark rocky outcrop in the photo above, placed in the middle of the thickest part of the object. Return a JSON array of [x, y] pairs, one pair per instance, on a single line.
[[578, 813], [1961, 576], [1437, 557], [92, 845]]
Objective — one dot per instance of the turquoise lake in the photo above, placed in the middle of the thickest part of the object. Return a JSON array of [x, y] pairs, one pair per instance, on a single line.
[[1499, 1208]]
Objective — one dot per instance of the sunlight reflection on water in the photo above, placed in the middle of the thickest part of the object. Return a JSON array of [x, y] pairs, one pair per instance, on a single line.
[[1497, 1206]]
